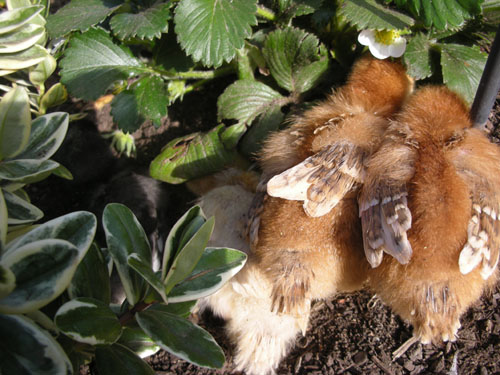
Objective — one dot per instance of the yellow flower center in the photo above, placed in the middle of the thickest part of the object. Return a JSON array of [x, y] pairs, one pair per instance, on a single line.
[[386, 36]]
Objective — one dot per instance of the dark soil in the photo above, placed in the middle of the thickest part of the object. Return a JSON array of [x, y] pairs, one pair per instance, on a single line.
[[350, 334]]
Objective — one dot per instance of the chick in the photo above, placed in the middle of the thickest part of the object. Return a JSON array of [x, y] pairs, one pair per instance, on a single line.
[[306, 232], [431, 200]]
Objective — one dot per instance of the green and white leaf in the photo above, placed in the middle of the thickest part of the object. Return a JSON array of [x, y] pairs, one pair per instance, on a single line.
[[192, 156], [136, 340], [7, 281], [149, 23], [39, 74], [182, 338], [145, 270], [43, 321], [244, 100], [43, 269], [47, 134], [23, 59], [211, 31], [462, 68], [20, 211], [88, 321], [91, 278], [3, 222], [26, 171], [152, 98], [368, 14], [215, 268], [92, 62], [187, 258], [55, 96], [125, 236], [78, 228], [80, 15], [15, 18], [15, 122], [181, 309], [417, 57], [295, 58], [45, 355], [19, 40], [118, 359]]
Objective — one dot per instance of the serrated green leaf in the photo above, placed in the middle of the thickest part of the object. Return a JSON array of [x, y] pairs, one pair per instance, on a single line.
[[55, 96], [174, 237], [125, 112], [91, 278], [136, 340], [45, 355], [462, 68], [19, 40], [118, 359], [212, 30], [232, 135], [215, 268], [125, 236], [39, 74], [368, 14], [77, 228], [295, 59], [80, 15], [182, 338], [296, 8], [89, 321], [15, 18], [147, 24], [191, 156], [267, 122], [26, 171], [15, 122], [168, 54], [92, 62], [47, 134], [7, 281], [144, 269], [187, 257], [23, 59], [20, 211], [151, 97], [491, 11], [244, 100], [417, 57], [43, 269]]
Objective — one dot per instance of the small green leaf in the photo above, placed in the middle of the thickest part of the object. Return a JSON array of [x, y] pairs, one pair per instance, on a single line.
[[136, 340], [43, 269], [215, 268], [295, 58], [368, 14], [181, 338], [188, 256], [147, 24], [26, 170], [144, 269], [267, 123], [47, 134], [244, 100], [192, 156], [15, 122], [15, 18], [232, 135], [55, 96], [7, 281], [125, 236], [23, 59], [92, 62], [45, 355], [80, 15], [88, 321], [39, 74], [118, 359], [125, 111], [462, 68], [212, 30], [19, 40], [418, 57], [91, 278], [20, 211], [152, 98]]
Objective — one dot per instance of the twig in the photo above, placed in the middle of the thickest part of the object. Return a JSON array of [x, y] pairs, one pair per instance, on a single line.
[[381, 365]]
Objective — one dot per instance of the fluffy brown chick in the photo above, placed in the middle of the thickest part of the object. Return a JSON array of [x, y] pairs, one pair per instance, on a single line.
[[431, 200], [306, 237]]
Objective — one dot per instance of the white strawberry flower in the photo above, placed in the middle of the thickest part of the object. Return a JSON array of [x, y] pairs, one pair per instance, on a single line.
[[383, 43]]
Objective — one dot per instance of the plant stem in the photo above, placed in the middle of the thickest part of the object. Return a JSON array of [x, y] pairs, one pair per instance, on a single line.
[[266, 13], [195, 74], [129, 315]]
